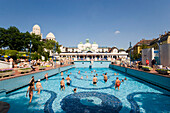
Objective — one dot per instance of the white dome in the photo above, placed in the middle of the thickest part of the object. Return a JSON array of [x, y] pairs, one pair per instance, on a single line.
[[94, 46], [87, 45], [50, 36], [36, 26], [81, 46]]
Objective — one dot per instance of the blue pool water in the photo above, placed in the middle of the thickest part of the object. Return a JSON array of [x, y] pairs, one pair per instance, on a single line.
[[134, 95]]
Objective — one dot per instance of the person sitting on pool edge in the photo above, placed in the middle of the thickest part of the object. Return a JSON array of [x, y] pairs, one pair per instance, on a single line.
[[75, 89], [95, 80], [62, 84], [68, 80], [117, 83]]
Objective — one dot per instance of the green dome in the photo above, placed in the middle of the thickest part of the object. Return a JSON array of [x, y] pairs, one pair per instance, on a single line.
[[87, 40]]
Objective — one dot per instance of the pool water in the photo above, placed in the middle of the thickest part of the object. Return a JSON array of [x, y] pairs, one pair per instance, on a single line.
[[134, 95]]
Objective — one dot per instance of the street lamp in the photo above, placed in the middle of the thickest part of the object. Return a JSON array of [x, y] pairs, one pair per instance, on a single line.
[[54, 50], [159, 40], [130, 53], [30, 51]]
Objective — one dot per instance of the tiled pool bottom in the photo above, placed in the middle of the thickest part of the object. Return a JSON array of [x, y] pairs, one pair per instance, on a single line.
[[133, 96]]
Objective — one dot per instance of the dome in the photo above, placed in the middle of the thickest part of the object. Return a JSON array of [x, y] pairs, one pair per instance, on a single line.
[[50, 36], [81, 46], [36, 27], [94, 46]]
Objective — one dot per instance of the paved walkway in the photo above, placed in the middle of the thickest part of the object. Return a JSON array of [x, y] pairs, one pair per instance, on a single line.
[[152, 71], [17, 74]]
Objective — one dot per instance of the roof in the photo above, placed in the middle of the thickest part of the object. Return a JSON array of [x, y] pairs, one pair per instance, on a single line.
[[143, 41], [36, 26], [50, 35], [162, 38]]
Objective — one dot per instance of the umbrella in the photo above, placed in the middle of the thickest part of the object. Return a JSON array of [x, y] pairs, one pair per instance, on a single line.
[[5, 56], [24, 55]]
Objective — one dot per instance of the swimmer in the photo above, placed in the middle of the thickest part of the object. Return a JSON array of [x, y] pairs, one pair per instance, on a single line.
[[117, 83], [61, 73], [96, 74], [95, 80], [94, 70], [126, 78], [85, 71], [114, 73], [81, 77], [91, 71], [75, 89], [70, 73], [39, 86], [86, 76], [122, 80], [68, 80], [105, 77], [79, 72], [62, 84], [46, 76], [117, 73]]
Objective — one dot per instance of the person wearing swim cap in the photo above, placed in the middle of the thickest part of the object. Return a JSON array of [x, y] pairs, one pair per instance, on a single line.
[[39, 86]]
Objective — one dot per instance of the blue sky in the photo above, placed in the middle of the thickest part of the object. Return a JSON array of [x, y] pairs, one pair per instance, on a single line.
[[107, 22]]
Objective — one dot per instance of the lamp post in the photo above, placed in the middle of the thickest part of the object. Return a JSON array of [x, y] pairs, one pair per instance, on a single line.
[[54, 50], [30, 51], [159, 40], [130, 53]]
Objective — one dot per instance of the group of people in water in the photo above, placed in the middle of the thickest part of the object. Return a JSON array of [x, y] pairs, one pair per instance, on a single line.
[[31, 87]]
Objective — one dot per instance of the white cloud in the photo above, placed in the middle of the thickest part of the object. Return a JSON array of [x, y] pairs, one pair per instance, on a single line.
[[117, 32]]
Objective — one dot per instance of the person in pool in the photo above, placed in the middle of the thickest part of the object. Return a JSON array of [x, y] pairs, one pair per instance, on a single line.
[[39, 86], [96, 74], [79, 72], [95, 80], [105, 77], [30, 90], [75, 89], [62, 84], [46, 76], [61, 73], [126, 78], [117, 83], [68, 80]]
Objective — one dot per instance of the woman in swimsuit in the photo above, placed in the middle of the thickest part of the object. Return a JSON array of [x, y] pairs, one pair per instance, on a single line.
[[30, 90]]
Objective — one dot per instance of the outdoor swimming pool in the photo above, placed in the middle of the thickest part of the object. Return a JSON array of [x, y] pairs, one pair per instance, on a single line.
[[134, 95]]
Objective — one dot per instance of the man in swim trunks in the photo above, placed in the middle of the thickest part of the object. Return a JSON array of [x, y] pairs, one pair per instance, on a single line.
[[105, 77], [117, 83], [62, 84], [68, 80], [39, 86], [95, 80]]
